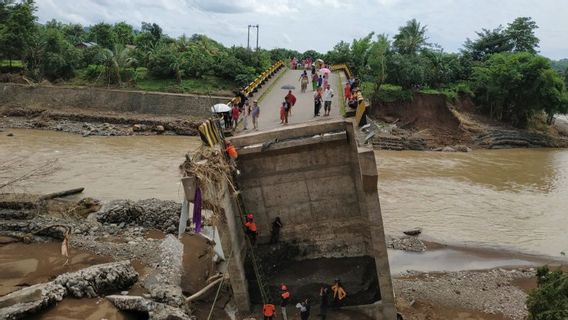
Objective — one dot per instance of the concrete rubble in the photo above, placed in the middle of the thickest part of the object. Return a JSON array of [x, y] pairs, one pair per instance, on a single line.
[[89, 282]]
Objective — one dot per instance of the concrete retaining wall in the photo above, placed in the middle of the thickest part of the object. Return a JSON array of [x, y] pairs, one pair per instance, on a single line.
[[95, 99], [312, 189]]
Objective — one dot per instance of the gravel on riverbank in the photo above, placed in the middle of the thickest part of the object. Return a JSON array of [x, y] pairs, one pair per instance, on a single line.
[[491, 292]]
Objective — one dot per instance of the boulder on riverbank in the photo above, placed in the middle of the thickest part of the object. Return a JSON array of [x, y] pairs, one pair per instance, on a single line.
[[89, 282], [151, 213]]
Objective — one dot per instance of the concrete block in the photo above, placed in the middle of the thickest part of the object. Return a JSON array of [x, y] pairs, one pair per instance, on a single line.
[[368, 167]]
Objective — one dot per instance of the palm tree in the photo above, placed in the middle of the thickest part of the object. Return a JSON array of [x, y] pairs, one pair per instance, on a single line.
[[114, 61], [410, 38]]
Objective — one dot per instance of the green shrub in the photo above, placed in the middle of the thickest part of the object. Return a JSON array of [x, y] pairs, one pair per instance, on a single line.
[[549, 301], [391, 93]]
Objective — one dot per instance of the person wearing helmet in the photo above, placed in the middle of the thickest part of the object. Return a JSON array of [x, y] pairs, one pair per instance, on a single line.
[[250, 227], [268, 310]]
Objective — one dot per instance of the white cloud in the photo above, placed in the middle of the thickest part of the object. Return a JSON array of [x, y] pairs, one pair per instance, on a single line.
[[319, 24]]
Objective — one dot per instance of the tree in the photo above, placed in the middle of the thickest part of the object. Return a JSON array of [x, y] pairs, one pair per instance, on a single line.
[[410, 38], [360, 52], [407, 71], [17, 28], [114, 62], [521, 35], [150, 35], [513, 87], [123, 33], [74, 33], [377, 61], [489, 42], [50, 55], [102, 33], [341, 53], [549, 301]]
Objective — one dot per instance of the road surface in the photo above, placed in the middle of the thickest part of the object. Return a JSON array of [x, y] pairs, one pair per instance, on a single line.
[[303, 111]]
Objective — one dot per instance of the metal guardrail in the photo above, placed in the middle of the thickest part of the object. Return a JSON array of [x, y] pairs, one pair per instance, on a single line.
[[260, 80]]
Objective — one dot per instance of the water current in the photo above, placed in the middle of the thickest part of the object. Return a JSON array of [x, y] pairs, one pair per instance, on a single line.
[[515, 199]]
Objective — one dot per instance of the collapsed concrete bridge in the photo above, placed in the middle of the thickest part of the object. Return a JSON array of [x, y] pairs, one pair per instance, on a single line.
[[323, 186]]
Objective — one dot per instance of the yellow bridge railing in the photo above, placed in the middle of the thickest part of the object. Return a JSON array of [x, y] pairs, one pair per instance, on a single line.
[[259, 81], [361, 106]]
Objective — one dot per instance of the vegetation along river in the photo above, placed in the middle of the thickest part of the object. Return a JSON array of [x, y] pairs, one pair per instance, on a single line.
[[515, 199]]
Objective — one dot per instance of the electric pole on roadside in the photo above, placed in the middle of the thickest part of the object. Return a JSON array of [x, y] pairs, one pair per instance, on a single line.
[[248, 35]]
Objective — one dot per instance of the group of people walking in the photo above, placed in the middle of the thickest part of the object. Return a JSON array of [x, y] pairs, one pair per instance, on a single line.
[[243, 110], [330, 297]]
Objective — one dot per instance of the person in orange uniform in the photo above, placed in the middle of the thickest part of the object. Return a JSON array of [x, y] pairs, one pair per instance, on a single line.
[[231, 150], [268, 310], [285, 299], [250, 226]]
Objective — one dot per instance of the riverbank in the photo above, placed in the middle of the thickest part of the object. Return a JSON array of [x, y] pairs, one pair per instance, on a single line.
[[88, 123], [124, 229], [433, 122]]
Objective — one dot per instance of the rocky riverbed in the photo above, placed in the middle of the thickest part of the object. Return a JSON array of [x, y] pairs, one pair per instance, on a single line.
[[100, 124], [134, 231]]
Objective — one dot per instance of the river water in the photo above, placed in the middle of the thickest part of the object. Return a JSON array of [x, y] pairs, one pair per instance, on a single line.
[[514, 199]]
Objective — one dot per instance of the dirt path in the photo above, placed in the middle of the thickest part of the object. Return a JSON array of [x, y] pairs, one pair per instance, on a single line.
[[303, 111]]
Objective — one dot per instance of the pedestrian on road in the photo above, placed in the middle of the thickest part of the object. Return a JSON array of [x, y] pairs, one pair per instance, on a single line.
[[317, 102], [242, 99], [284, 112], [246, 114], [275, 234], [347, 91], [320, 81], [327, 97], [284, 300], [304, 80], [291, 101], [255, 114], [324, 302], [235, 115], [314, 81]]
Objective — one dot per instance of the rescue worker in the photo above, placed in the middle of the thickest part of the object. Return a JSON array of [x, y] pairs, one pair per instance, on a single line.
[[231, 150], [275, 234], [284, 300], [324, 302], [268, 310], [304, 308], [339, 294], [250, 226]]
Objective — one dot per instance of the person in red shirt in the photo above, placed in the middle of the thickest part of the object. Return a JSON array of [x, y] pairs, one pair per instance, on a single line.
[[235, 112], [268, 310], [291, 101], [347, 91], [284, 300]]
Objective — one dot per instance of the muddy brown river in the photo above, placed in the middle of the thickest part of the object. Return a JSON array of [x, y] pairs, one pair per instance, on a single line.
[[514, 199]]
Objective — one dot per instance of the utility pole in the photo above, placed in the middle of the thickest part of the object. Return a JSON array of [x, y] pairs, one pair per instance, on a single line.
[[257, 37], [248, 35]]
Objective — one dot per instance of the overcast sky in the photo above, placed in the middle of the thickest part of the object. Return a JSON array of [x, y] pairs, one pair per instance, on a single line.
[[320, 24]]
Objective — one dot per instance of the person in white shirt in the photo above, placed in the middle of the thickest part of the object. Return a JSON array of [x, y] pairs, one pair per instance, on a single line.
[[327, 97]]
